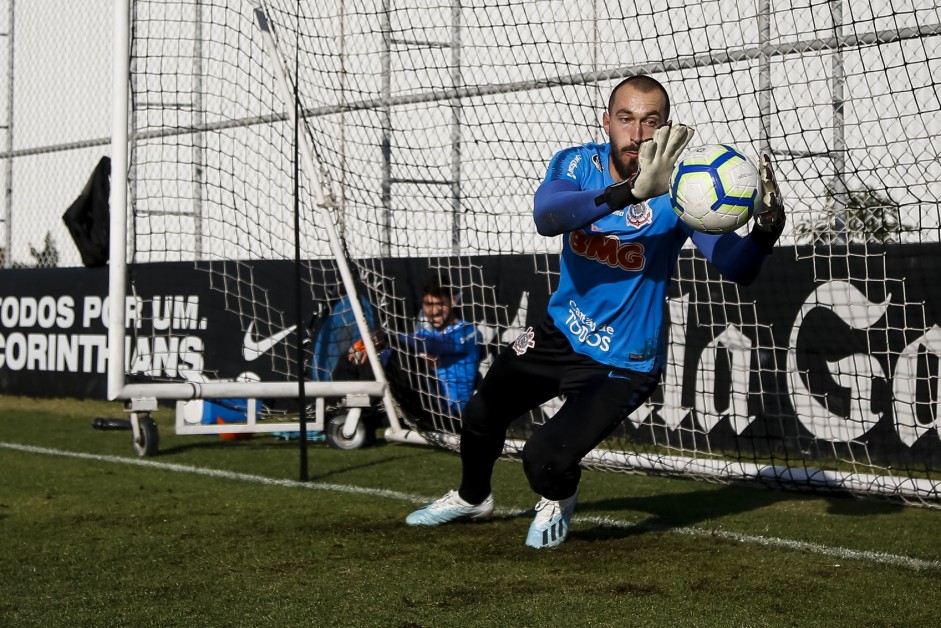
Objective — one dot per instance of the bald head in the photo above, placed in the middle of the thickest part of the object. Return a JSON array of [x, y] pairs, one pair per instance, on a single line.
[[644, 84]]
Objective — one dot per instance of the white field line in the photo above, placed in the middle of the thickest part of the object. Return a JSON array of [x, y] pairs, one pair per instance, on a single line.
[[840, 553]]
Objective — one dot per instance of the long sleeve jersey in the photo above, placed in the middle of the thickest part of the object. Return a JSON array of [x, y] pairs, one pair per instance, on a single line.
[[616, 266], [457, 350]]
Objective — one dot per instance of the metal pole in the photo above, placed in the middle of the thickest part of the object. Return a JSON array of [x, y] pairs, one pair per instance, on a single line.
[[298, 271], [837, 83], [341, 193], [385, 63], [764, 77], [117, 267], [8, 197], [199, 137], [456, 118]]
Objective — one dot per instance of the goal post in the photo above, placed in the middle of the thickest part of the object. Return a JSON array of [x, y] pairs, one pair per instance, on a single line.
[[241, 387], [422, 133], [324, 204], [117, 228]]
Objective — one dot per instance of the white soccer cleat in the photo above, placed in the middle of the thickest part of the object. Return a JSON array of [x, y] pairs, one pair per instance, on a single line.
[[450, 508], [551, 525]]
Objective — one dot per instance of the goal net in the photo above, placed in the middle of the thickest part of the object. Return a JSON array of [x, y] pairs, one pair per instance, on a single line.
[[418, 132]]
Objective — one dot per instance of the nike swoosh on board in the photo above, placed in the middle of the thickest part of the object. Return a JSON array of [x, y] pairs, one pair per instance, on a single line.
[[253, 349]]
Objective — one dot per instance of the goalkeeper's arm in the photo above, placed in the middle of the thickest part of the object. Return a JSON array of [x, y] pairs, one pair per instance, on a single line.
[[740, 259], [460, 340], [561, 205]]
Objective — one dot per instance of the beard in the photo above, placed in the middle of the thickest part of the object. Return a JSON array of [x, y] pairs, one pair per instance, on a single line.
[[624, 164]]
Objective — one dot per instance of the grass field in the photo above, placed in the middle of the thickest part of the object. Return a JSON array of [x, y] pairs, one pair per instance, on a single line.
[[223, 533]]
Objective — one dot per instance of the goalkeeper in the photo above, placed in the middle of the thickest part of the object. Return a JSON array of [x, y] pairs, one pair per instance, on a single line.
[[445, 347], [434, 371], [602, 343]]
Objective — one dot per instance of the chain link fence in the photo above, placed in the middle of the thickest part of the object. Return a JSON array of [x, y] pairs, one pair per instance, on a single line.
[[55, 121]]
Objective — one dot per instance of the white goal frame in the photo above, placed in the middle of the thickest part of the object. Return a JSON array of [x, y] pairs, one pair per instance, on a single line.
[[456, 179], [141, 398]]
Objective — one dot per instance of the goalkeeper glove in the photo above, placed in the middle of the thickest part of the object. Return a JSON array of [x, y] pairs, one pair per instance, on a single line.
[[655, 161], [769, 215]]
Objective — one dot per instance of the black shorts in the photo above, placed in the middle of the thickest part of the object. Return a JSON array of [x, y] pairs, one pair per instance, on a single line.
[[541, 365]]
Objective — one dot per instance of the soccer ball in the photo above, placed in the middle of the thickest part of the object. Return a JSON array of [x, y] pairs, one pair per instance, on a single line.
[[714, 188]]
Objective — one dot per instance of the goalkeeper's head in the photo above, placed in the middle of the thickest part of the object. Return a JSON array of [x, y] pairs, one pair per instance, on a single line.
[[638, 106], [439, 303]]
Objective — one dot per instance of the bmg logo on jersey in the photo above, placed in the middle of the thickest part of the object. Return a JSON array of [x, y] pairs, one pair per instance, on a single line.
[[584, 328], [608, 250]]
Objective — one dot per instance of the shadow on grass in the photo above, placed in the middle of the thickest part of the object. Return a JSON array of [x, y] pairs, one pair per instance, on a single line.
[[377, 454], [680, 510], [365, 464], [256, 444]]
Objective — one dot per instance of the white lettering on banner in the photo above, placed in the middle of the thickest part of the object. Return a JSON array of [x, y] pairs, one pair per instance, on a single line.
[[177, 312], [166, 356], [133, 312], [168, 312], [905, 385], [673, 412], [169, 355], [858, 373], [92, 309], [86, 353], [173, 356], [65, 312], [738, 346], [854, 372], [89, 344], [731, 340], [133, 307], [47, 312], [39, 338], [488, 333], [13, 351], [66, 354]]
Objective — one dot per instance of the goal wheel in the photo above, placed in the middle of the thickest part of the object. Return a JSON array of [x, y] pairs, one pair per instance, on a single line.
[[360, 438], [147, 441]]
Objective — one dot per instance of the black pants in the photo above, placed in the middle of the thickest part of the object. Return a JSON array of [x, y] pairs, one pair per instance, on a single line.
[[597, 399], [417, 392]]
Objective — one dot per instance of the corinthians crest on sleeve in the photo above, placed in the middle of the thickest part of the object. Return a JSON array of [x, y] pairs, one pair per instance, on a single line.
[[638, 215]]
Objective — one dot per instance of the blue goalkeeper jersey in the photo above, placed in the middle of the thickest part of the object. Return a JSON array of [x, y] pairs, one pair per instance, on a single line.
[[457, 348], [615, 272]]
